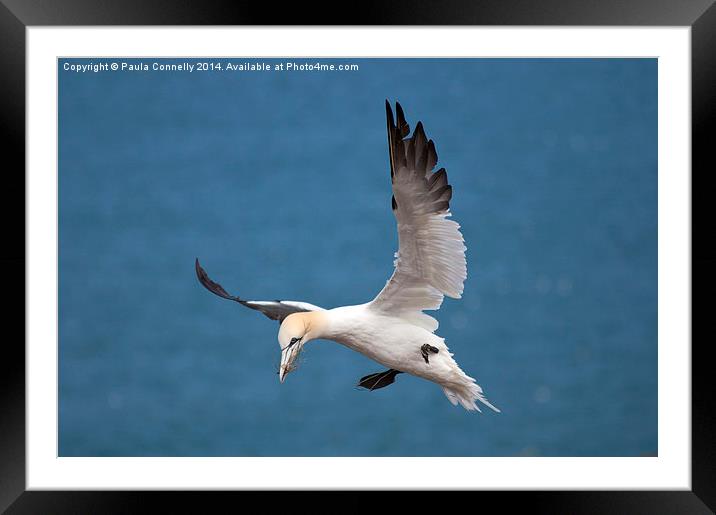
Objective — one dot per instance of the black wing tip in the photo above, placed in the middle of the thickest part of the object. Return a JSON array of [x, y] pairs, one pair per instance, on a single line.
[[398, 121], [403, 126], [389, 115], [212, 286], [399, 111], [203, 276], [200, 272], [417, 152]]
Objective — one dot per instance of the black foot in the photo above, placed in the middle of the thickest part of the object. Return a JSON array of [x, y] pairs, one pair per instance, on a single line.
[[379, 380], [425, 349]]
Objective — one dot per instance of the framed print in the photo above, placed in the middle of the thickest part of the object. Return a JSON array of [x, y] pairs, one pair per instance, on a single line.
[[534, 334]]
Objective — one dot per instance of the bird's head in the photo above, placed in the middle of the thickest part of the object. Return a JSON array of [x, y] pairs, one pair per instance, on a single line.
[[296, 330]]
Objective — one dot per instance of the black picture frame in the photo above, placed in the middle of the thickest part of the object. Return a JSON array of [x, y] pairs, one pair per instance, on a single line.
[[16, 15]]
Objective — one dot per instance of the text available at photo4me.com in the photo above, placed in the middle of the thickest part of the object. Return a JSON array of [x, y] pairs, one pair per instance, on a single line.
[[217, 66]]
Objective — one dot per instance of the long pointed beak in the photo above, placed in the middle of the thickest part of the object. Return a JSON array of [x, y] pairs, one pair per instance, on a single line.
[[282, 372], [287, 357]]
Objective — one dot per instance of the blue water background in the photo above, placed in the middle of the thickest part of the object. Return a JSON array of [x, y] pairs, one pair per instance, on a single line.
[[279, 183]]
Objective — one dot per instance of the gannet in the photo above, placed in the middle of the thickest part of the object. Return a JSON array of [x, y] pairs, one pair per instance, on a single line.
[[430, 263]]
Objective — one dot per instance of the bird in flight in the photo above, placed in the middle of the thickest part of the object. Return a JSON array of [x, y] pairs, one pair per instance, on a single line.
[[430, 263]]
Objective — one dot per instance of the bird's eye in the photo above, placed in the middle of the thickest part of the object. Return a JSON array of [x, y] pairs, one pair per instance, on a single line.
[[293, 342]]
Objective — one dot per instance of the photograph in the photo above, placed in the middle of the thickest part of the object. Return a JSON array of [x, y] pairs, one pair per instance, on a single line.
[[357, 257]]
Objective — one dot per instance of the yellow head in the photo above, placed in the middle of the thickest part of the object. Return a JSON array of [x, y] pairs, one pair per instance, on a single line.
[[296, 330]]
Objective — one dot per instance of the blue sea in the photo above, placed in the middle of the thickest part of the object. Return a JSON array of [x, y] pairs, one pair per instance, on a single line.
[[278, 181]]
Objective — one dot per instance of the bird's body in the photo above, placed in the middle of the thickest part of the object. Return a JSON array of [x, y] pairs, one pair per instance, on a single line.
[[396, 343], [430, 264], [388, 340]]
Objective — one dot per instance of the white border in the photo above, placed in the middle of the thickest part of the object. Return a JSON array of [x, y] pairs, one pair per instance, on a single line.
[[671, 470]]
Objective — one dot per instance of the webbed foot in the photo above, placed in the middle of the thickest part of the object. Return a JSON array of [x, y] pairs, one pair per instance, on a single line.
[[379, 380], [426, 349]]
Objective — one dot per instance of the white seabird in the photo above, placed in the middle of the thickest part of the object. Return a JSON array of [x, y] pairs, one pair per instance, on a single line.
[[430, 263]]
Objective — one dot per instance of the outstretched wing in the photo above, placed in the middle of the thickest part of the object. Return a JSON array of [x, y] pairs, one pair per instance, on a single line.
[[274, 309], [430, 261]]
